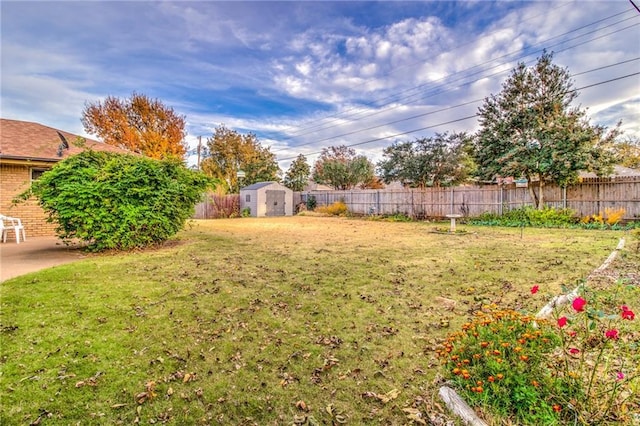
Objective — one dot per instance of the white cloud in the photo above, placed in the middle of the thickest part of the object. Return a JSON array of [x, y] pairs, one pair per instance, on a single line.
[[218, 62]]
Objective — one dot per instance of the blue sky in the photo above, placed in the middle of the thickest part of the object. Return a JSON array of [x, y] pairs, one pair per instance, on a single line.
[[304, 75]]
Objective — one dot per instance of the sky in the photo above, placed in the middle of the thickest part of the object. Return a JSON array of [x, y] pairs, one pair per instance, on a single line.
[[306, 75]]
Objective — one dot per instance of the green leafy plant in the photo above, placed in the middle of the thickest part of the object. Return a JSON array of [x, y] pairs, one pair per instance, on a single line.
[[311, 202], [398, 217], [529, 216], [550, 217], [534, 371], [497, 361], [246, 212], [116, 201]]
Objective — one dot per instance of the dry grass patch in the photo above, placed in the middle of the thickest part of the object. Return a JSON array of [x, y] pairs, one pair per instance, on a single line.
[[266, 321]]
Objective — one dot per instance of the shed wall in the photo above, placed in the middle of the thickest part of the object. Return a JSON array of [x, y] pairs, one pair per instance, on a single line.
[[252, 204], [258, 199]]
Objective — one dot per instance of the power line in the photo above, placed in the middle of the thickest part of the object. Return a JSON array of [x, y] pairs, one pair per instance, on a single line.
[[439, 110], [341, 114], [444, 90], [459, 119], [394, 70]]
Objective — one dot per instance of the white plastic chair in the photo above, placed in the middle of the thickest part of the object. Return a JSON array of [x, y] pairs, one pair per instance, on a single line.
[[11, 224]]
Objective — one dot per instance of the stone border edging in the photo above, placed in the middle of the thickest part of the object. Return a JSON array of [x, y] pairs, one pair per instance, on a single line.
[[458, 406], [567, 298]]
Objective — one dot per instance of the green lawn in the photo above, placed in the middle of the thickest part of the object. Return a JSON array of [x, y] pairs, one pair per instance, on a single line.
[[267, 321]]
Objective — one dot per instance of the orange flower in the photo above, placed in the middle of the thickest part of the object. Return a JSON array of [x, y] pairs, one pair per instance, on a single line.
[[524, 358], [484, 344], [557, 408], [535, 383], [500, 376], [491, 379]]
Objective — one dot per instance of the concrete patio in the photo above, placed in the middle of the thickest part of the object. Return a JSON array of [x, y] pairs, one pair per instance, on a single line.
[[35, 254]]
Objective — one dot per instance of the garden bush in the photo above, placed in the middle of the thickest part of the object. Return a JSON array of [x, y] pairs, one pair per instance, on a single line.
[[550, 217], [338, 208], [529, 216], [577, 368], [311, 202], [116, 201]]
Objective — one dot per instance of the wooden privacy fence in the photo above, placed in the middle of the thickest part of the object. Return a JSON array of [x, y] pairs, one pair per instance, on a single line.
[[217, 206], [591, 196]]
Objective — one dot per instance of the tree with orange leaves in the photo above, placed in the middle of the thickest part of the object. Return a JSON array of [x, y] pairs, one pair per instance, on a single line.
[[140, 124]]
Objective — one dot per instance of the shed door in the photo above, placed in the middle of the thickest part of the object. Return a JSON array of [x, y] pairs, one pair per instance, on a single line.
[[275, 203]]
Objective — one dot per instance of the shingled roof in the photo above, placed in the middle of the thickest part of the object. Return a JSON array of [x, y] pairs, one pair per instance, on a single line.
[[23, 140]]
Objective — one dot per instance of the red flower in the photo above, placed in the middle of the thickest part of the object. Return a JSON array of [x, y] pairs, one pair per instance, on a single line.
[[627, 313], [562, 322], [578, 304], [611, 334], [574, 351], [535, 289]]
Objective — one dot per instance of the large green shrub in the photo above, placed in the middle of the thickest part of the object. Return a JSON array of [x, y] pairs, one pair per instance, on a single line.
[[529, 216], [116, 201]]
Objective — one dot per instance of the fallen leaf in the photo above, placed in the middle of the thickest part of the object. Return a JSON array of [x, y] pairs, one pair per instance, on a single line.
[[299, 419], [141, 397], [414, 415], [391, 395]]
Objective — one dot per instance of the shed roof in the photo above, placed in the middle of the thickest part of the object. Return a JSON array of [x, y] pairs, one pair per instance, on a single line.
[[24, 140], [259, 185]]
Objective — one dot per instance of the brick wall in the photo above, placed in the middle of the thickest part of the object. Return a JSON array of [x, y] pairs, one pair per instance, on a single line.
[[15, 179]]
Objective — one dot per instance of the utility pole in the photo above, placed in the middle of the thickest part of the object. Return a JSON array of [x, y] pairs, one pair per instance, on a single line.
[[199, 150]]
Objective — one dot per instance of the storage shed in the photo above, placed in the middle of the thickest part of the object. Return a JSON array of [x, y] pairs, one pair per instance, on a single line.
[[267, 199]]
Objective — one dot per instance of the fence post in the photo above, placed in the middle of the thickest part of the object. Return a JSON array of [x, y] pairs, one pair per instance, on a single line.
[[452, 204]]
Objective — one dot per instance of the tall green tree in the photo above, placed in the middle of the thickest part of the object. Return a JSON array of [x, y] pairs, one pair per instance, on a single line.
[[531, 130], [340, 167], [298, 174], [442, 160], [229, 152]]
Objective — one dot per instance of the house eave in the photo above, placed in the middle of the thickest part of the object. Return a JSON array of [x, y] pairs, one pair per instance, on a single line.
[[27, 161]]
